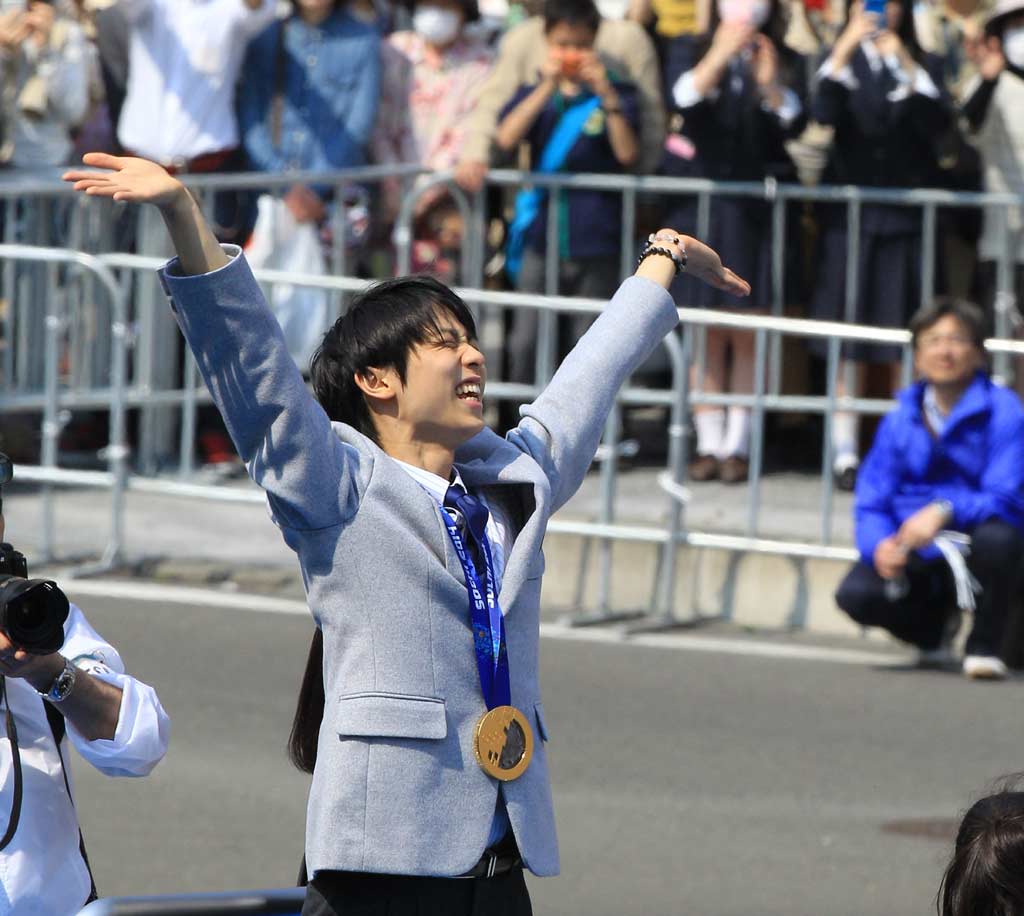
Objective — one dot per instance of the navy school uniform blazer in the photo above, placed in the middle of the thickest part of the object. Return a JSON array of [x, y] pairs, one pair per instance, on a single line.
[[396, 787], [884, 137]]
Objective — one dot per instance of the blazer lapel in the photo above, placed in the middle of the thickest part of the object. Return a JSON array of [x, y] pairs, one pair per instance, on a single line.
[[514, 480]]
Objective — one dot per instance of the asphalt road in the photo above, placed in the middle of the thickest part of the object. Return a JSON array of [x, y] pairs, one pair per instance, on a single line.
[[685, 782]]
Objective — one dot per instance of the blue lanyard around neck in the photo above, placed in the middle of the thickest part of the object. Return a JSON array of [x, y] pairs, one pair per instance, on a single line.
[[488, 623]]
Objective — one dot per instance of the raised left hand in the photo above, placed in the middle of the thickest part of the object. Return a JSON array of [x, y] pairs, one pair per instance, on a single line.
[[702, 262], [39, 19], [765, 62], [38, 670], [593, 75]]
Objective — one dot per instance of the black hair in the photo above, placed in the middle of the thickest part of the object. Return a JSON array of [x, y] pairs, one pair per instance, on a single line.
[[470, 8], [309, 708], [985, 876], [967, 313], [774, 27], [571, 12], [380, 328]]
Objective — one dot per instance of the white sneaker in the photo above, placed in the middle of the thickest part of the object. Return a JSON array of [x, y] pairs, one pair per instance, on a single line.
[[985, 668]]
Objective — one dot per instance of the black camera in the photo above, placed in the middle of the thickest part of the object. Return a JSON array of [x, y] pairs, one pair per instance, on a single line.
[[32, 611]]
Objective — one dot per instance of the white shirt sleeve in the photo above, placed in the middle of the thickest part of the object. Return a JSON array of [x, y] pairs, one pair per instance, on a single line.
[[845, 77], [143, 727], [685, 94], [790, 108]]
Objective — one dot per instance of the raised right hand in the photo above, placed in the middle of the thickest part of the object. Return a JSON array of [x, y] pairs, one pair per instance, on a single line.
[[731, 37], [991, 60], [859, 26], [136, 181]]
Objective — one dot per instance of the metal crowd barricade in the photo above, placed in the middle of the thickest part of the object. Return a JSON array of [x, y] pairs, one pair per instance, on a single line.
[[276, 902], [52, 401], [684, 351]]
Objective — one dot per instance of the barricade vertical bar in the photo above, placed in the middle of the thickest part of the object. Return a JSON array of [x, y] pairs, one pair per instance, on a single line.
[[117, 450], [1005, 297], [832, 381], [628, 231], [10, 274], [609, 466], [778, 287], [852, 280], [928, 243], [51, 410], [663, 610], [757, 431], [186, 445], [547, 324], [478, 233]]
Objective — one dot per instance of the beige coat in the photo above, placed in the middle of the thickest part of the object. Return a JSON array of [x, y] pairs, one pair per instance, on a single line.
[[625, 49]]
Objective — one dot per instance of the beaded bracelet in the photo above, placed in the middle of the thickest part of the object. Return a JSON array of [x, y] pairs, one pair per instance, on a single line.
[[650, 249]]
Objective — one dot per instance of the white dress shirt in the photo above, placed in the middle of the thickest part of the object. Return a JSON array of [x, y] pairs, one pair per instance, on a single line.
[[184, 62], [499, 534], [906, 83], [499, 537], [42, 871]]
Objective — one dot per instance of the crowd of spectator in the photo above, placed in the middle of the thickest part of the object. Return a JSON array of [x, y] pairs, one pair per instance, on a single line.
[[923, 95]]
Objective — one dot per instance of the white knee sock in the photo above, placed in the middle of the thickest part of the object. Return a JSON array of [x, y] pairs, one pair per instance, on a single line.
[[844, 440], [710, 429], [736, 440]]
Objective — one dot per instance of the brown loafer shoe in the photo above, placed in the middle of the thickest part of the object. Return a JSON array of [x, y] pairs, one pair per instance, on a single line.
[[703, 467], [734, 469]]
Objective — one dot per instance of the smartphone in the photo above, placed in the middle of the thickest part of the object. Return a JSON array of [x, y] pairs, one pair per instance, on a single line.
[[877, 7], [572, 61]]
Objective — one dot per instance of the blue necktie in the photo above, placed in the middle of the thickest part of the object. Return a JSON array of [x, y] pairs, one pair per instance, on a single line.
[[475, 514]]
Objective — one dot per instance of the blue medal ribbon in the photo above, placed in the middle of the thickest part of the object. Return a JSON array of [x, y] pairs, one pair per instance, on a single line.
[[488, 622]]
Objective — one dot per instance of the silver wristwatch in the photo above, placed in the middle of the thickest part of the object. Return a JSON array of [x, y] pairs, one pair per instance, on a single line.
[[62, 685]]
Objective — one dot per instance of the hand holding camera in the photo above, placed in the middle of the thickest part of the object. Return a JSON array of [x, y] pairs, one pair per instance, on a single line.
[[32, 611]]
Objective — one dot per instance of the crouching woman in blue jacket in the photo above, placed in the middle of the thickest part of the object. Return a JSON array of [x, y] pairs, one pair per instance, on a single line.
[[947, 462]]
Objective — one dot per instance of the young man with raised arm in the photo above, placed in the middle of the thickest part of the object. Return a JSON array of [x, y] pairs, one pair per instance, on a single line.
[[419, 533]]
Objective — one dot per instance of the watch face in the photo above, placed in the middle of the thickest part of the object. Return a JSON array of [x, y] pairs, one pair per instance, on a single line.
[[62, 686]]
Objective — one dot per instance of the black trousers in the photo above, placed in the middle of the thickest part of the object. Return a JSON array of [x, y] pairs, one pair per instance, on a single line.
[[346, 893], [920, 615]]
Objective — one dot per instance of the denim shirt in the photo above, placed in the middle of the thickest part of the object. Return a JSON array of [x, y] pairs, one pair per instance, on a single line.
[[331, 84]]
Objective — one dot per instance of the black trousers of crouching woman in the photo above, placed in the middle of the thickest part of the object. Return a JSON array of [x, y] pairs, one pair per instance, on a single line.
[[919, 616]]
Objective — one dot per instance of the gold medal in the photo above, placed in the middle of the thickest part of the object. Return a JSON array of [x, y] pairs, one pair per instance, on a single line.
[[503, 743]]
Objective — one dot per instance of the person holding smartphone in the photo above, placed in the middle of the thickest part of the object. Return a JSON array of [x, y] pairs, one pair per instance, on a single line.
[[577, 116], [880, 93], [45, 62], [739, 103]]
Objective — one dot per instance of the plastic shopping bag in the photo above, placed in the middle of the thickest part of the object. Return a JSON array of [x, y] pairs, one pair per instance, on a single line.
[[278, 242]]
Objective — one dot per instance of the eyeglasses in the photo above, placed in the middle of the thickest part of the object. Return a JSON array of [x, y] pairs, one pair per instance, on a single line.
[[956, 341]]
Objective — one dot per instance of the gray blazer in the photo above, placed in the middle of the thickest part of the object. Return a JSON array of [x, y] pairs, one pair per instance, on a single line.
[[396, 787]]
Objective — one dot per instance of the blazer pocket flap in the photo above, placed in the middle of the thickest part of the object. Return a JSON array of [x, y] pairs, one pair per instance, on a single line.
[[542, 725], [390, 715]]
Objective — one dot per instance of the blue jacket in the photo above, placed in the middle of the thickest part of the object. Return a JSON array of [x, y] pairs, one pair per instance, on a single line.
[[331, 86], [977, 464]]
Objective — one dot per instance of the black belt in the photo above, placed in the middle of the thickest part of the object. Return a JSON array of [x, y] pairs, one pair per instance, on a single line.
[[496, 860]]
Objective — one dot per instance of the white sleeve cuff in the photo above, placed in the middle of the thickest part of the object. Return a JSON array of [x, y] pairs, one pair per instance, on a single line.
[[685, 94], [143, 730], [844, 77], [924, 84], [790, 108]]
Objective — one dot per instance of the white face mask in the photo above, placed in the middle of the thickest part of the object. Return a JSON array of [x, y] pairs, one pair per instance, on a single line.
[[436, 25], [754, 12], [1013, 46]]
